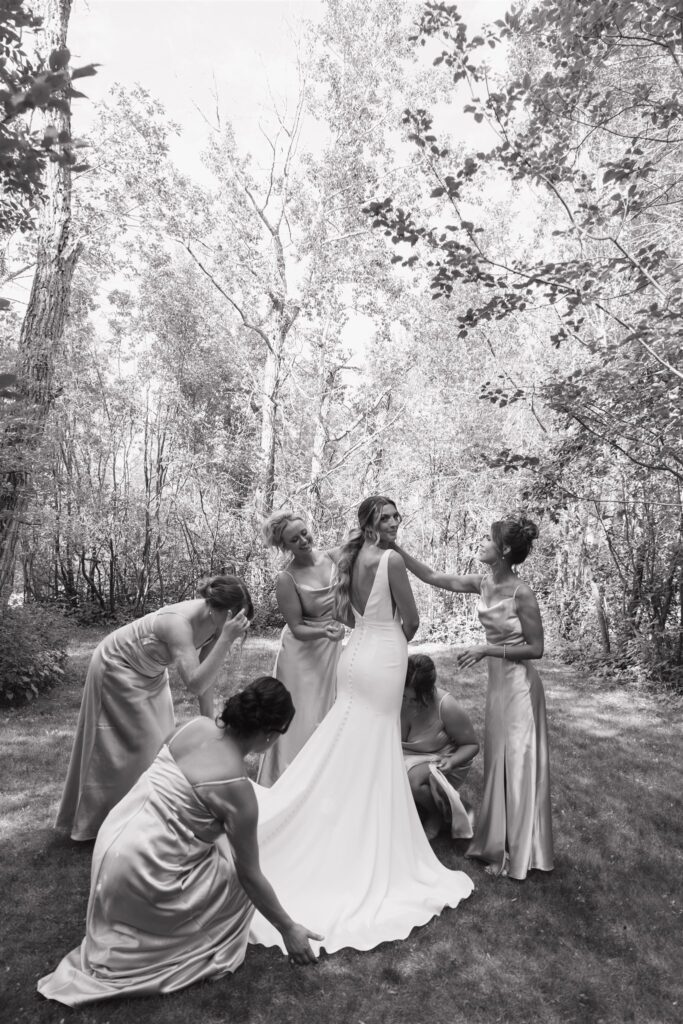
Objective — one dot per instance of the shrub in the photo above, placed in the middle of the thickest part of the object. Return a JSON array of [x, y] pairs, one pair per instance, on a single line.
[[33, 645]]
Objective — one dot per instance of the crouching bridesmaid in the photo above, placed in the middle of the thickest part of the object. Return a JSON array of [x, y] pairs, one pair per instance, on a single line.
[[170, 901]]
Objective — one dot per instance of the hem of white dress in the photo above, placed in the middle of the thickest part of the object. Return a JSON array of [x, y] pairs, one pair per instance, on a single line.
[[370, 943]]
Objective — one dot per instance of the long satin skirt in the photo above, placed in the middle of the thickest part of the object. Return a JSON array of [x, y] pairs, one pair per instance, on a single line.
[[515, 813]]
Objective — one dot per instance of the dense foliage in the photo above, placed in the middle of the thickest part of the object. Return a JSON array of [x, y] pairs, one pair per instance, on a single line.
[[32, 654], [251, 342], [586, 130], [26, 86]]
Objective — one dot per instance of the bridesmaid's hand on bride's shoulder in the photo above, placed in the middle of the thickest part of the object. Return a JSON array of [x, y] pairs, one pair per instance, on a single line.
[[299, 948]]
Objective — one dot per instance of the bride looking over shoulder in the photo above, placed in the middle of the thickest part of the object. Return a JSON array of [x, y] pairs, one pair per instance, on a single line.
[[339, 829], [359, 562]]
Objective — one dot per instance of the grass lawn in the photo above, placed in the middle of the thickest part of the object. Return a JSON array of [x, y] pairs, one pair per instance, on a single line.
[[594, 942]]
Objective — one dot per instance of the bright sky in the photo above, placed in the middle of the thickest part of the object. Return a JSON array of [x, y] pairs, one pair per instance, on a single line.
[[183, 50], [177, 49]]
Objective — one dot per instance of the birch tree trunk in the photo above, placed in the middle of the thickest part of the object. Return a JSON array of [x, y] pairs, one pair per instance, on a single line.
[[43, 325], [270, 396]]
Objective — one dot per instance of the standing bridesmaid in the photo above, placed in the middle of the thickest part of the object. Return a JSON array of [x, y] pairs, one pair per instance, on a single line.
[[309, 646], [127, 709], [514, 827]]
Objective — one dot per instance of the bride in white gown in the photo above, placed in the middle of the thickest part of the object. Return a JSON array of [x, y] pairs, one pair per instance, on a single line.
[[339, 835]]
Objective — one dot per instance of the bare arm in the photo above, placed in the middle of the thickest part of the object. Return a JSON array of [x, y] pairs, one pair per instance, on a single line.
[[443, 580], [529, 616], [239, 813], [290, 605], [461, 731], [206, 703], [207, 698], [334, 553], [196, 674], [402, 593]]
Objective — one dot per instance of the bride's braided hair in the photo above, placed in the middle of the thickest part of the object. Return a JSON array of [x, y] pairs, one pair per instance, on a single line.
[[263, 706], [369, 511]]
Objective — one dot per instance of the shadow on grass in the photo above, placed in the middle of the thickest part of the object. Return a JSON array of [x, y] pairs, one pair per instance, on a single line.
[[592, 943]]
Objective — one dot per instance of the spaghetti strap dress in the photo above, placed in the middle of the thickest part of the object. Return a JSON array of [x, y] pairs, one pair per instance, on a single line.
[[339, 837], [515, 815], [428, 747], [166, 908], [308, 668], [126, 714]]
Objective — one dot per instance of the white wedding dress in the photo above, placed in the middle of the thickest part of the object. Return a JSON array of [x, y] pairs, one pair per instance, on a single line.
[[339, 837]]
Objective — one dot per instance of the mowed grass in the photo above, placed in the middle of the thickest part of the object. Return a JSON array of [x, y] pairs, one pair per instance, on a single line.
[[595, 942]]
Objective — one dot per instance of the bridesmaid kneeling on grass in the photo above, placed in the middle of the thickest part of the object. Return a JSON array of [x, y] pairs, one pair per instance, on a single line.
[[170, 901], [514, 828], [439, 746], [127, 708], [309, 650]]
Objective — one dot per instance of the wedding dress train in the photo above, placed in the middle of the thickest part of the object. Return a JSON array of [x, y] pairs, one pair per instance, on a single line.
[[339, 836]]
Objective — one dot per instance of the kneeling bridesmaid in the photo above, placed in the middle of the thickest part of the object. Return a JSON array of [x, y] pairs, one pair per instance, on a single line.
[[171, 900], [439, 746]]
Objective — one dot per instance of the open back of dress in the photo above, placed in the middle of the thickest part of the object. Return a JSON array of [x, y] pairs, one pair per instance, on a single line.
[[339, 835]]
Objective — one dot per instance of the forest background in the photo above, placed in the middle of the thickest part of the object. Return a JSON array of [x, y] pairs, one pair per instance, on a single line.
[[451, 274]]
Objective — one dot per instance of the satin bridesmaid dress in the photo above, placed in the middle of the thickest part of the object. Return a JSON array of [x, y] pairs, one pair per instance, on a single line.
[[515, 815], [126, 714], [308, 668], [428, 746], [166, 908]]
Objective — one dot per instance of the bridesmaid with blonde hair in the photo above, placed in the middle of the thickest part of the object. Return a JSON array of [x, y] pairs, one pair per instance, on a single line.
[[309, 649]]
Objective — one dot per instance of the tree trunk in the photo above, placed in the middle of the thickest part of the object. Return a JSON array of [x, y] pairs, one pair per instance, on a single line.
[[599, 605], [43, 326], [270, 397], [326, 382]]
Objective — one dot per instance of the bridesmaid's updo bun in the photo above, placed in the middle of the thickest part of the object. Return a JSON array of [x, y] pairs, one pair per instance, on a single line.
[[517, 533], [263, 706], [275, 525], [227, 592]]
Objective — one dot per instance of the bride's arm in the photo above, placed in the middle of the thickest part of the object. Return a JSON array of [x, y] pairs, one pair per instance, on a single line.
[[445, 581], [402, 593]]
